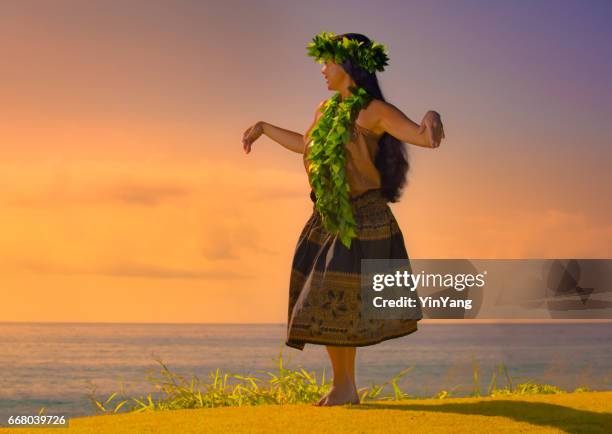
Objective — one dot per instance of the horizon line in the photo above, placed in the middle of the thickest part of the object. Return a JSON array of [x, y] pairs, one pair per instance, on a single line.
[[423, 321]]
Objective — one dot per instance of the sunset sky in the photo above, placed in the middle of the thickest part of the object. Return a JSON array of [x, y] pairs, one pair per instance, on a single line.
[[126, 195]]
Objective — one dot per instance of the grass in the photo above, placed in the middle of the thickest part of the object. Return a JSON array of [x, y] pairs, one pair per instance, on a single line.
[[586, 412], [230, 402], [286, 386]]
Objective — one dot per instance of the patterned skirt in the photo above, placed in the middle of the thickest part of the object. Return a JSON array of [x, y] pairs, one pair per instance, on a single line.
[[325, 305]]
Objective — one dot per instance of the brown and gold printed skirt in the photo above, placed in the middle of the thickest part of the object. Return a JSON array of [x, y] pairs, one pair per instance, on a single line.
[[325, 305]]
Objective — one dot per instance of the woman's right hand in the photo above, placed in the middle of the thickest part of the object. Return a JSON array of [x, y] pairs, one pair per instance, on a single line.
[[252, 134]]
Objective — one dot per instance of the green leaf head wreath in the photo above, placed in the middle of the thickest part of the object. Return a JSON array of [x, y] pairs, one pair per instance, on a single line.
[[328, 46]]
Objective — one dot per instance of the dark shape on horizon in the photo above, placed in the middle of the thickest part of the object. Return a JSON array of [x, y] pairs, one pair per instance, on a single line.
[[569, 286]]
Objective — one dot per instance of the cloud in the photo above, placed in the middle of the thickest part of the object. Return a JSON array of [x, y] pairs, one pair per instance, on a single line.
[[158, 272], [144, 194], [225, 238], [127, 269], [56, 184], [550, 233], [65, 190], [77, 217], [282, 193]]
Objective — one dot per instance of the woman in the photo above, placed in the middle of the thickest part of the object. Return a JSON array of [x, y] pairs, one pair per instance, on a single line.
[[324, 293]]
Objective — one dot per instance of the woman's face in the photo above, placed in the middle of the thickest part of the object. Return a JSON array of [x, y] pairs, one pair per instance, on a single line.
[[335, 75]]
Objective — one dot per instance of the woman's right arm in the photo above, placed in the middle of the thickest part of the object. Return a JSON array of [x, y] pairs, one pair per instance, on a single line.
[[291, 140], [288, 139]]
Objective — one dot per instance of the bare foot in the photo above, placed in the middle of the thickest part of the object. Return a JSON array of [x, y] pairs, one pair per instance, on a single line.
[[322, 400], [340, 396]]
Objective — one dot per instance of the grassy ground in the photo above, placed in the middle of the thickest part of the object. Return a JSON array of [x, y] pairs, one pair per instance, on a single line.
[[565, 412]]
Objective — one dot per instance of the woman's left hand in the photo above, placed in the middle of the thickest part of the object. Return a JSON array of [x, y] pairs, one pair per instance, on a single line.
[[432, 122]]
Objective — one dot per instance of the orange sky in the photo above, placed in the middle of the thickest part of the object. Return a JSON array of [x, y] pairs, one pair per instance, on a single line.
[[126, 195]]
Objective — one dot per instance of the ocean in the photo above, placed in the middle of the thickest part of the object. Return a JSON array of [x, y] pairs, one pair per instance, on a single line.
[[56, 365]]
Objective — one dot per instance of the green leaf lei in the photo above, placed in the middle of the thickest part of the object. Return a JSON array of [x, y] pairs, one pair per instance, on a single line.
[[327, 162]]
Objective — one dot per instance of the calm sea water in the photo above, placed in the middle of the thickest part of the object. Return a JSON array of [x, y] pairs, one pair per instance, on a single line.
[[56, 365]]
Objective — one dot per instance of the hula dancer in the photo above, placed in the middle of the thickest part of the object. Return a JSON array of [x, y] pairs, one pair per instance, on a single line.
[[356, 162]]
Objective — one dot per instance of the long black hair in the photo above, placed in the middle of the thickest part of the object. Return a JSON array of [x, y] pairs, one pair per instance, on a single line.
[[392, 157]]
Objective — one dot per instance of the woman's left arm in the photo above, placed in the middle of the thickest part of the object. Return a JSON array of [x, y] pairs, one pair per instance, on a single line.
[[393, 121]]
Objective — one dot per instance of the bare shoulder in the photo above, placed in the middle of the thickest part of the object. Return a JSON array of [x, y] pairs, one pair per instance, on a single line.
[[380, 108], [318, 114], [319, 110], [321, 105], [383, 112], [370, 116]]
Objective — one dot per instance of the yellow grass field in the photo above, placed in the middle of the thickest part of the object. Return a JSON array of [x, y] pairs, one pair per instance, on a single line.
[[565, 412]]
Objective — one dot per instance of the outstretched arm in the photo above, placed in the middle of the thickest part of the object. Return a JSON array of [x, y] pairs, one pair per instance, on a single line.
[[286, 138], [289, 139], [393, 121]]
